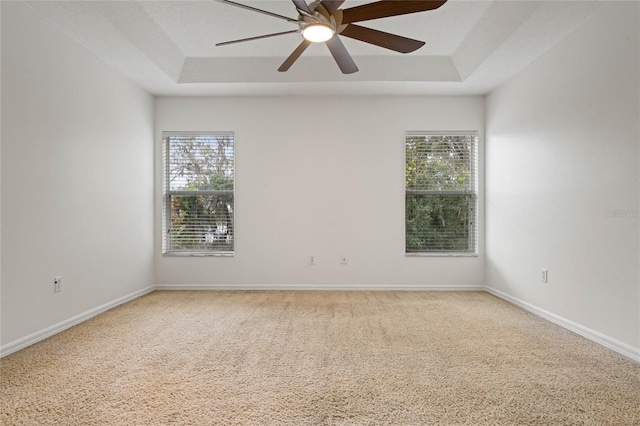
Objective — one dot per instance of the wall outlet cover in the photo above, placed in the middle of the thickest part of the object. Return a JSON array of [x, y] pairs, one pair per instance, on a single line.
[[57, 284]]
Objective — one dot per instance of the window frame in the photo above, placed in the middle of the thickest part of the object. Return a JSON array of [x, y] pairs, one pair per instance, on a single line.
[[473, 234], [167, 193]]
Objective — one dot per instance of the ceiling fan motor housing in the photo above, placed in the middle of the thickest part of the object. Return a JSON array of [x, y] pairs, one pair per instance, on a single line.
[[319, 16]]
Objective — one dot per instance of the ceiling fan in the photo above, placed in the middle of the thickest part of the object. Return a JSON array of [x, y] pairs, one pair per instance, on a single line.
[[323, 20]]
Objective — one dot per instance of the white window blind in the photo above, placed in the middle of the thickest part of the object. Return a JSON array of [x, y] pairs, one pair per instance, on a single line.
[[441, 194], [198, 213]]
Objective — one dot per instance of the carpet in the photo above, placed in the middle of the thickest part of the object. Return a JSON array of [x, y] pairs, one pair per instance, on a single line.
[[318, 358]]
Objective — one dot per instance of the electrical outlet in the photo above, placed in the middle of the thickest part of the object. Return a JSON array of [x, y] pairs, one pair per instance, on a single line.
[[57, 284], [312, 260], [343, 259], [545, 276]]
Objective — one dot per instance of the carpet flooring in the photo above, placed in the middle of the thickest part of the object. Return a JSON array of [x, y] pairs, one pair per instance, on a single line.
[[318, 358]]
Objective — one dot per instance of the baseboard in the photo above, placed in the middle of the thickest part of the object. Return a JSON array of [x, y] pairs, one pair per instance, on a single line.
[[606, 341], [23, 342], [338, 287]]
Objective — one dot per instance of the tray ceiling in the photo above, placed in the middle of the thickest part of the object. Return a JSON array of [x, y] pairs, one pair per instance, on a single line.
[[168, 47]]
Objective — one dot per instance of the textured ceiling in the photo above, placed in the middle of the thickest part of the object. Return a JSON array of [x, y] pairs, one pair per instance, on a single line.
[[168, 47]]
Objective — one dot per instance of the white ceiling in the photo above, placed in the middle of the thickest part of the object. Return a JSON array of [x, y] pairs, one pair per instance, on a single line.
[[168, 47]]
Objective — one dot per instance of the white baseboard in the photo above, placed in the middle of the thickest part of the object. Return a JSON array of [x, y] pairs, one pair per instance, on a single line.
[[23, 342], [338, 287], [606, 341]]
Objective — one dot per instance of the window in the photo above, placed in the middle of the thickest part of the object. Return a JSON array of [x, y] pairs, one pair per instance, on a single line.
[[198, 193], [441, 196]]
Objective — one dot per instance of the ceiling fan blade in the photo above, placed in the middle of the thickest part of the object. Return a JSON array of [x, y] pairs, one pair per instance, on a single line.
[[386, 8], [256, 38], [332, 5], [337, 17], [340, 54], [255, 9], [294, 56], [302, 5], [322, 11], [382, 39]]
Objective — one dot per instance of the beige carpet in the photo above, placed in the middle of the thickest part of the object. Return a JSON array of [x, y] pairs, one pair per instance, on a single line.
[[318, 358]]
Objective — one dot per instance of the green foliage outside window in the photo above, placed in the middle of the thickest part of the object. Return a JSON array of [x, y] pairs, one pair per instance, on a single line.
[[200, 174], [440, 193]]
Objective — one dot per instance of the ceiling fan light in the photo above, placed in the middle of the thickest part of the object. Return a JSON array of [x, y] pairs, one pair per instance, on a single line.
[[317, 33]]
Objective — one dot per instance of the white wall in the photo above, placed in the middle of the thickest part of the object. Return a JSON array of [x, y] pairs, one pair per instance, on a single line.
[[317, 176], [562, 149], [0, 174], [77, 178]]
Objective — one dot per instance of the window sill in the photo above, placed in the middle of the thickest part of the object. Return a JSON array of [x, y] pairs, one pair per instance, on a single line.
[[437, 254], [198, 254]]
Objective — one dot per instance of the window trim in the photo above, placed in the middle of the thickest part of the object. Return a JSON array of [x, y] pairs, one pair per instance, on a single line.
[[166, 195], [475, 234]]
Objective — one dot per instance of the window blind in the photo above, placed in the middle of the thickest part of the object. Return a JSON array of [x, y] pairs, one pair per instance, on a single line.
[[441, 192], [198, 212]]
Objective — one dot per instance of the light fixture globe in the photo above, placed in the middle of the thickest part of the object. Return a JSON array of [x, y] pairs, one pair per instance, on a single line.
[[317, 33]]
